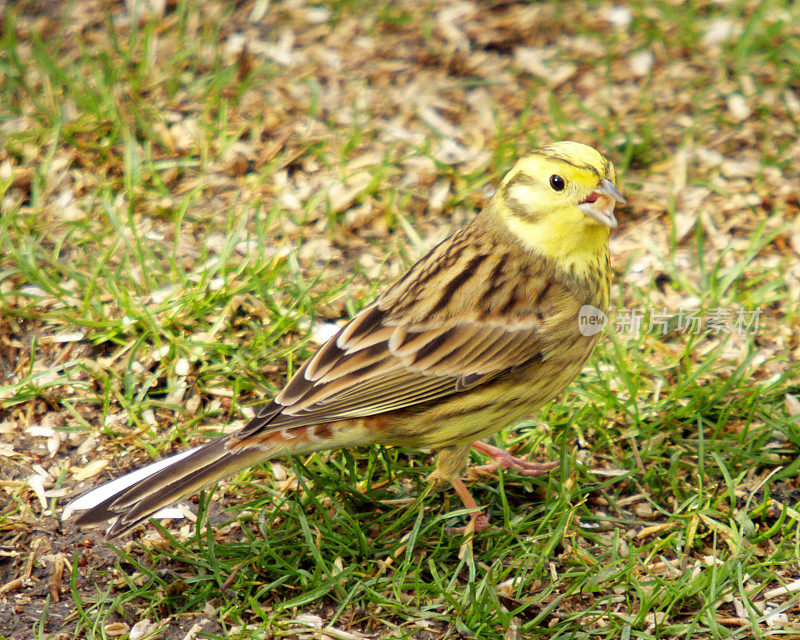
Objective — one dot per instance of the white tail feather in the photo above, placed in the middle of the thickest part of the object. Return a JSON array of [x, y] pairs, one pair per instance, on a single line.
[[96, 496]]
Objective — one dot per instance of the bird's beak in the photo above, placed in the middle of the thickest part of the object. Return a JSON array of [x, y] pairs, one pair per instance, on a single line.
[[599, 205]]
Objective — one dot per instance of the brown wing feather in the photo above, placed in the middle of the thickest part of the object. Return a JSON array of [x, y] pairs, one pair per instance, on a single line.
[[389, 357]]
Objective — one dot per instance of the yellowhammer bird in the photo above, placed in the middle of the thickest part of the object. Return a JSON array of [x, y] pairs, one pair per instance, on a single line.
[[474, 337]]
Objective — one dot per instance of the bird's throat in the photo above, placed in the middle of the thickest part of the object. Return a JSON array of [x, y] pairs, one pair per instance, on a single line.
[[578, 248]]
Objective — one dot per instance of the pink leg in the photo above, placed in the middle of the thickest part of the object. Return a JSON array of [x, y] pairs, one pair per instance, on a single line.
[[502, 458], [478, 520]]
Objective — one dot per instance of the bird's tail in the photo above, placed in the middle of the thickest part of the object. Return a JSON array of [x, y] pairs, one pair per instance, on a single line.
[[134, 497]]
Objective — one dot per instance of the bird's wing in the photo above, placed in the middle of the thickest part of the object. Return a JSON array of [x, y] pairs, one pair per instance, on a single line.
[[430, 335]]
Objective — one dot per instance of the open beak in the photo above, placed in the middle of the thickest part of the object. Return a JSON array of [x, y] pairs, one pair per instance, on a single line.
[[600, 203]]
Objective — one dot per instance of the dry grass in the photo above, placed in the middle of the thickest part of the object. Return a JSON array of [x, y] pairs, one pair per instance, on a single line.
[[189, 197]]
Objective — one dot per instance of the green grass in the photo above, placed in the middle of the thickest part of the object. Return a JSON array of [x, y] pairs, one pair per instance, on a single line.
[[171, 231]]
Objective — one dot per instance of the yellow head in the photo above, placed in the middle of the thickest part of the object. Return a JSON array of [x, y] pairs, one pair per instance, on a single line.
[[559, 201]]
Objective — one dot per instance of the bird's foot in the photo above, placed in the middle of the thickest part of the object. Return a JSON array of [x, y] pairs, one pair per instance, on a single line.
[[503, 459]]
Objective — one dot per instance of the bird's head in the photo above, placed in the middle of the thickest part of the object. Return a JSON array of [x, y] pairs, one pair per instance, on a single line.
[[559, 201]]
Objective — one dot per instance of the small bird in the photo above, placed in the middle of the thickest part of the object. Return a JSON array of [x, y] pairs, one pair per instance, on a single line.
[[474, 337]]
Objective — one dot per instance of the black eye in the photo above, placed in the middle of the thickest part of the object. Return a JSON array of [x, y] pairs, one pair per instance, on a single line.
[[557, 182]]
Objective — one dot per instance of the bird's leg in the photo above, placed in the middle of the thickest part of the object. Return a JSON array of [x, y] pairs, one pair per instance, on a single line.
[[502, 458], [478, 521], [450, 463]]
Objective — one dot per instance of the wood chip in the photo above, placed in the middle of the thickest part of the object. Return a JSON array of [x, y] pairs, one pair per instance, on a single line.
[[654, 529], [792, 587], [90, 470]]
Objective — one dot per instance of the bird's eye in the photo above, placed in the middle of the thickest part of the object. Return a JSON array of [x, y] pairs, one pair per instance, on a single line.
[[557, 182]]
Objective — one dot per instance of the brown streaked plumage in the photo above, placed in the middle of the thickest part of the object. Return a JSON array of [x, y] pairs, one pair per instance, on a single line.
[[475, 336]]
